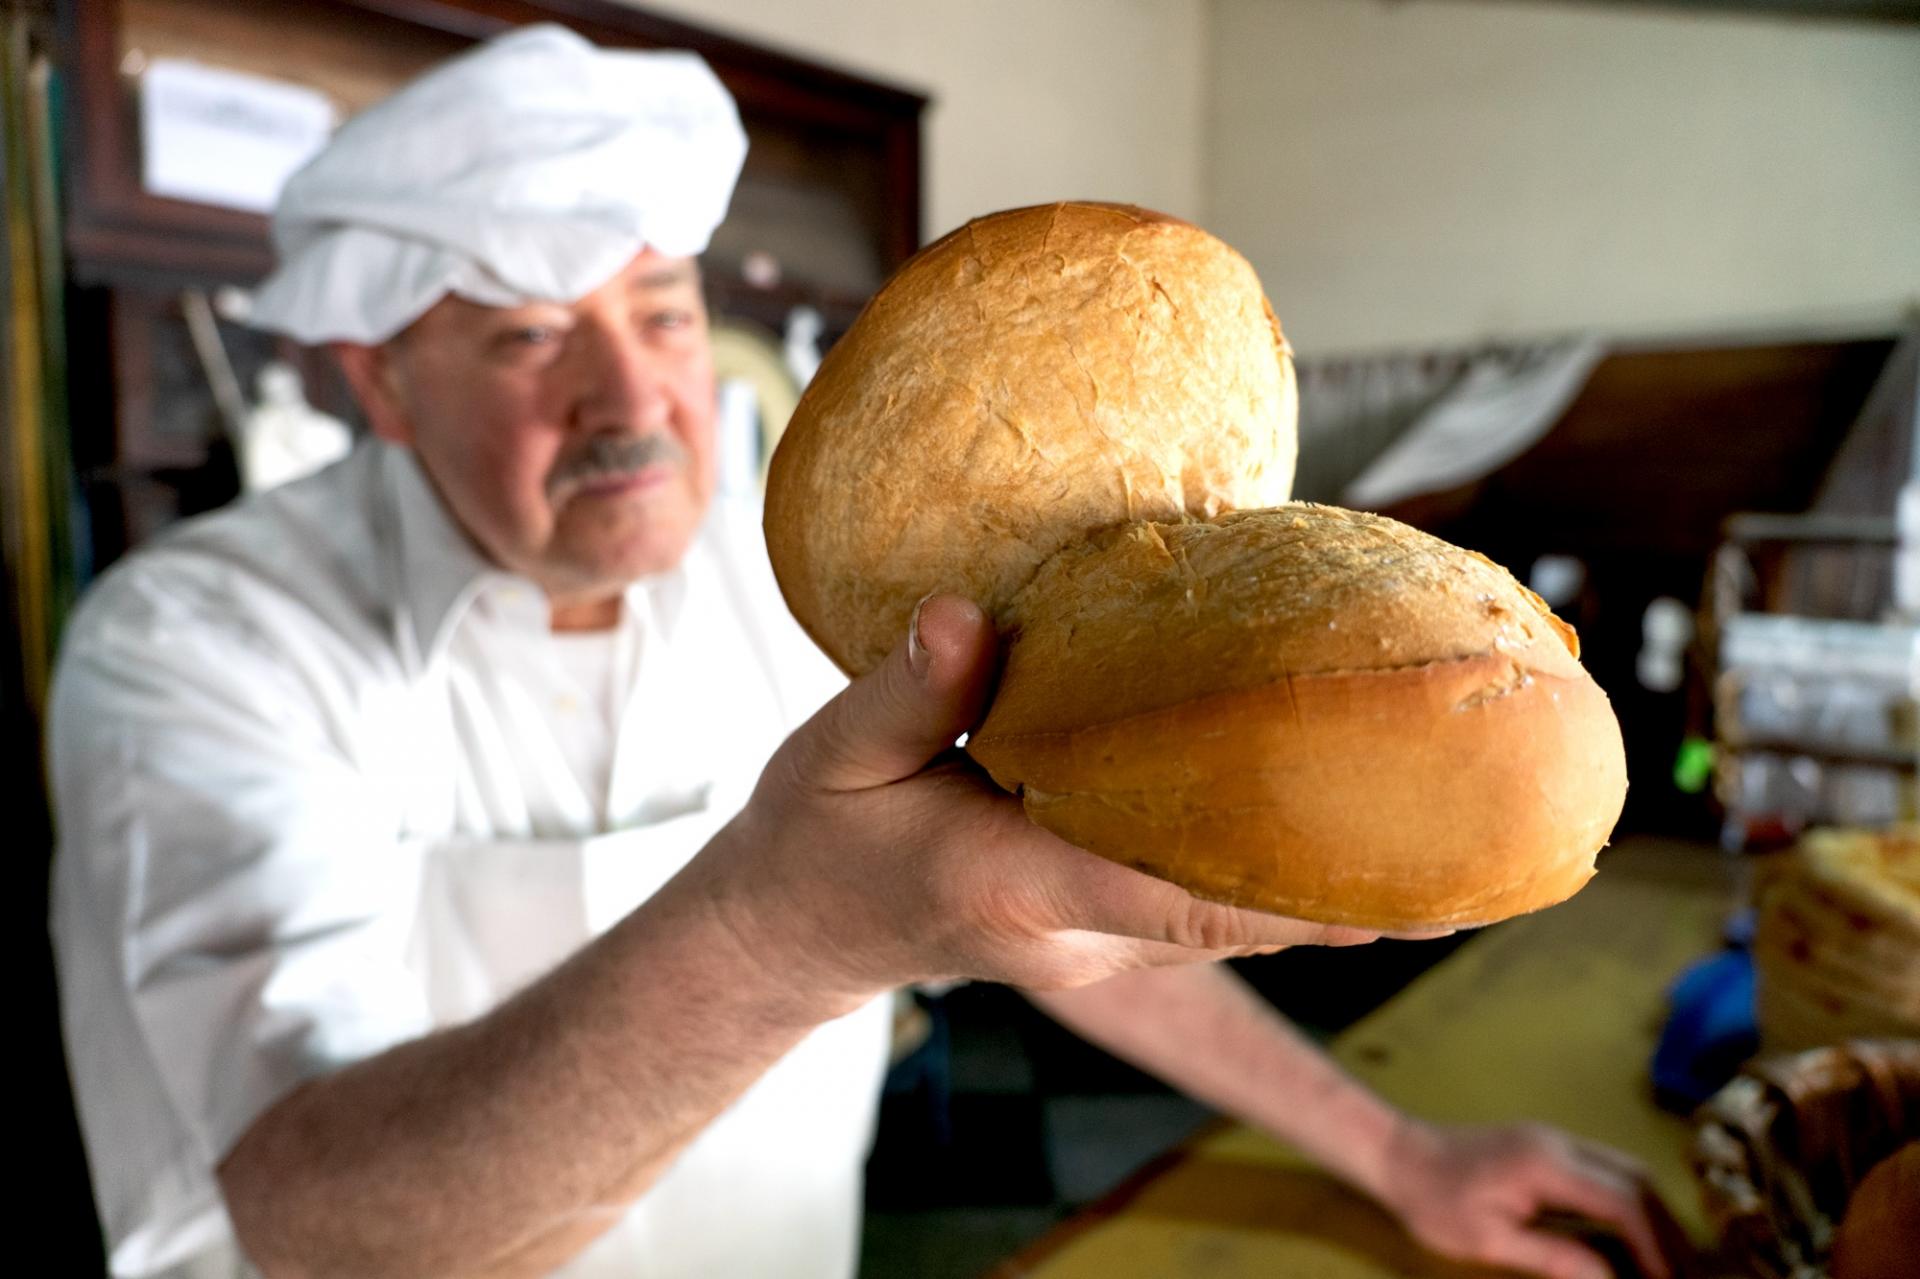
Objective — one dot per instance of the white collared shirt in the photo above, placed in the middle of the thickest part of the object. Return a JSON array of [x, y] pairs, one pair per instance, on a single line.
[[318, 794]]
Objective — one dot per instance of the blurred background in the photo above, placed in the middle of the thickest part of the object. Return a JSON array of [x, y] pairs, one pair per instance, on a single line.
[[1621, 294]]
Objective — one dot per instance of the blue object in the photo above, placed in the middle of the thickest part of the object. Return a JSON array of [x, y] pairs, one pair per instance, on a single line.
[[1710, 1029]]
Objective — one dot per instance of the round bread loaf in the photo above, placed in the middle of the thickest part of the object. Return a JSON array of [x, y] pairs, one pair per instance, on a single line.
[[1877, 1237], [1056, 412], [1310, 711], [1036, 374]]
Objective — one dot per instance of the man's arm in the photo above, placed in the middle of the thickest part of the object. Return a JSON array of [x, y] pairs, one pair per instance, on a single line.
[[504, 1146], [1211, 1035], [1468, 1193]]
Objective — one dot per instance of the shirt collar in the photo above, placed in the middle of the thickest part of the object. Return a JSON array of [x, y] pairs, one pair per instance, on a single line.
[[437, 572]]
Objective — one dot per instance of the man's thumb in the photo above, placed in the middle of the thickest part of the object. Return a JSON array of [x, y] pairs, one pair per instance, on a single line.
[[930, 689]]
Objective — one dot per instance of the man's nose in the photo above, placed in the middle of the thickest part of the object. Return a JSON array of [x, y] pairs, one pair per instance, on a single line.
[[622, 380]]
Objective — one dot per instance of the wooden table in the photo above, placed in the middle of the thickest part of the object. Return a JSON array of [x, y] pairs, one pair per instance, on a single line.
[[1550, 1017]]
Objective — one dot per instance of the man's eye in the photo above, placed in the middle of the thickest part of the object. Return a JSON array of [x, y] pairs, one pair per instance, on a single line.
[[533, 335], [670, 319]]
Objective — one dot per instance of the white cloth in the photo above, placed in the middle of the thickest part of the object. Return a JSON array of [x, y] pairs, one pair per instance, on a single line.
[[1352, 409], [531, 168], [1504, 405], [282, 437], [597, 673], [312, 803]]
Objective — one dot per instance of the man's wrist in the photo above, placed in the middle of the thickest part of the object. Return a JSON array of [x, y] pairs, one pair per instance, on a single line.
[[1406, 1145], [1359, 1137], [773, 951]]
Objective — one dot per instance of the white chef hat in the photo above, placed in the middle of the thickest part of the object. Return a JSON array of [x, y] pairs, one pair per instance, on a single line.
[[532, 168]]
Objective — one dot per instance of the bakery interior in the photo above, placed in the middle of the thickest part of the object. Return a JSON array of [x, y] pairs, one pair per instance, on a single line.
[[1621, 294]]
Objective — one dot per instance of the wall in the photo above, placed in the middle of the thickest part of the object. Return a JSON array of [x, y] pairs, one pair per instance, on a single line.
[[1408, 172], [1033, 99], [1437, 171]]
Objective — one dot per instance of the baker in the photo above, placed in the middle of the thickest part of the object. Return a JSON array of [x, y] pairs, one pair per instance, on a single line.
[[465, 866]]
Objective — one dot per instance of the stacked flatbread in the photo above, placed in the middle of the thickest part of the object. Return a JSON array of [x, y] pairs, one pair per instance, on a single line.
[[1837, 946]]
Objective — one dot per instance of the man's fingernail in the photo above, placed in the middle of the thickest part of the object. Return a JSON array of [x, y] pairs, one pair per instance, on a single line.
[[918, 658]]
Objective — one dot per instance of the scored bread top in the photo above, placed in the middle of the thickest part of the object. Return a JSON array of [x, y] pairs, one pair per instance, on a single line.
[[1308, 711], [1150, 615], [1035, 375], [1884, 864]]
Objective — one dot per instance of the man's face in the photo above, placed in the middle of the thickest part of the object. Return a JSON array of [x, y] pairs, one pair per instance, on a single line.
[[573, 441]]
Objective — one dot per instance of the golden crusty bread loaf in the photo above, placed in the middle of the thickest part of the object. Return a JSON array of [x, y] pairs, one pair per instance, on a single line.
[[1309, 711], [1033, 375], [1056, 412]]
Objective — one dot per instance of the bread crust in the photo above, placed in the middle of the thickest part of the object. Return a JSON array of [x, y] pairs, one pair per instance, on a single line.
[[1150, 614], [1876, 1237], [1082, 416], [1310, 711], [1034, 375], [1486, 795]]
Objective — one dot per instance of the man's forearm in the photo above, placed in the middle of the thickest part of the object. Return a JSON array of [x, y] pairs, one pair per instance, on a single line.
[[490, 1147], [1208, 1033]]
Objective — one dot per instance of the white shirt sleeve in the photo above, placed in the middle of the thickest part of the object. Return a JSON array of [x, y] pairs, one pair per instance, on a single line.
[[284, 846], [233, 901]]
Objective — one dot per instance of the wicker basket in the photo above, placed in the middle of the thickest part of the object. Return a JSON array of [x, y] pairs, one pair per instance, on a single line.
[[1780, 1150]]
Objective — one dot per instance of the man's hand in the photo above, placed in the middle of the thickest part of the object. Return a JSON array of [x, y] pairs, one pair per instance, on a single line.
[[1478, 1194], [872, 854]]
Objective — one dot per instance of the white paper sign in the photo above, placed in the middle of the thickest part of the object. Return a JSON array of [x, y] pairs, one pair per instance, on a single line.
[[222, 137]]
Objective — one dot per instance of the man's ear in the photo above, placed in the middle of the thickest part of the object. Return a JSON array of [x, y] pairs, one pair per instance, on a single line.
[[373, 374]]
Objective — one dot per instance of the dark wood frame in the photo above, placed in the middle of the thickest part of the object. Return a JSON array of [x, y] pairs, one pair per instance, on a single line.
[[130, 253], [117, 231]]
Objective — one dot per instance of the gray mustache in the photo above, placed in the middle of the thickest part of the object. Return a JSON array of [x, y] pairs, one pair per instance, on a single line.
[[607, 455]]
